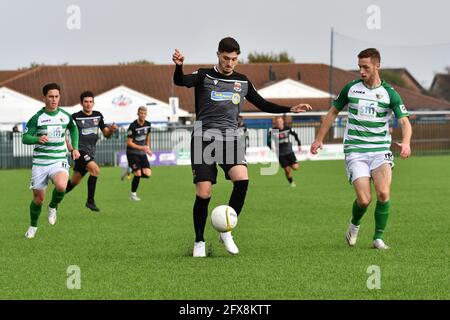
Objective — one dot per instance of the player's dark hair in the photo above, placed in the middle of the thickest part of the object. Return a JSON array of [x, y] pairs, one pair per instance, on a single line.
[[50, 86], [228, 44], [86, 94], [371, 53]]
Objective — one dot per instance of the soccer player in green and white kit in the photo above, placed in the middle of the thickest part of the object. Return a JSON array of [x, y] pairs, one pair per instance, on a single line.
[[46, 130], [367, 141]]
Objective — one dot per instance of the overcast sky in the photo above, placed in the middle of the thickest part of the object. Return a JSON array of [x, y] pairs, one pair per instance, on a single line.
[[411, 34]]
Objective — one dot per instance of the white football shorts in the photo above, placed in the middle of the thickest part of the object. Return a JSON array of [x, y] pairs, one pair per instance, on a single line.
[[362, 164], [41, 174]]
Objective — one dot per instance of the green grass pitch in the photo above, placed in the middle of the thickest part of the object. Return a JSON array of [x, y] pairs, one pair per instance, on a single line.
[[291, 240]]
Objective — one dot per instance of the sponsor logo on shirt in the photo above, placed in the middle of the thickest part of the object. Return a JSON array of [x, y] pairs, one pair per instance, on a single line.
[[225, 96], [88, 131], [358, 91], [367, 109]]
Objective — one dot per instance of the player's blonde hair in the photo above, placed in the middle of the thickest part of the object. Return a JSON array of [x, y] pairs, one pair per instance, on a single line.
[[143, 108]]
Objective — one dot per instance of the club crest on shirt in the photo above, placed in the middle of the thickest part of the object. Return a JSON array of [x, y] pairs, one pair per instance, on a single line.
[[95, 121], [235, 98], [379, 96], [237, 87]]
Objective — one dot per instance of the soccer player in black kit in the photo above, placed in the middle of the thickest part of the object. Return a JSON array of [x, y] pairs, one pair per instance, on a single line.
[[219, 94], [88, 122], [138, 146], [280, 135]]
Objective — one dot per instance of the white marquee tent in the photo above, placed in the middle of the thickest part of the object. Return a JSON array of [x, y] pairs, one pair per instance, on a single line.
[[16, 109], [291, 89]]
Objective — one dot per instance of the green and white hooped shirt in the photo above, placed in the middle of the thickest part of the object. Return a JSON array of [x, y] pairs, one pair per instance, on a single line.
[[369, 111], [53, 125]]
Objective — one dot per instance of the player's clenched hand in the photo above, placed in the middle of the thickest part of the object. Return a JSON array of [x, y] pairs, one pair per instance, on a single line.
[[405, 151], [316, 145], [178, 57], [75, 154], [147, 150], [113, 127], [302, 107], [43, 139]]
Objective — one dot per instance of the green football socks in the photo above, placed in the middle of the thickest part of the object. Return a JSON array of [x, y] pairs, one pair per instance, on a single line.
[[35, 211], [357, 213], [381, 218], [56, 198]]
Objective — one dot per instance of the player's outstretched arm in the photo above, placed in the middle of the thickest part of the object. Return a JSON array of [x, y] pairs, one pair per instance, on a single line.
[[326, 125], [266, 106], [405, 145]]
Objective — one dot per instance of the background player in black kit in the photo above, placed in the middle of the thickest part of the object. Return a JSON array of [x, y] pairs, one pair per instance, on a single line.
[[88, 122], [138, 146], [280, 135], [219, 94]]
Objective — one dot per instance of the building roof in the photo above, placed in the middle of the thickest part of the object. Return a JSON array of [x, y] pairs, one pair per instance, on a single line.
[[156, 81], [440, 87], [410, 82], [9, 74]]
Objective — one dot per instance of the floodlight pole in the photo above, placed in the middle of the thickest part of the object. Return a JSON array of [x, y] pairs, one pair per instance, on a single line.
[[330, 79]]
